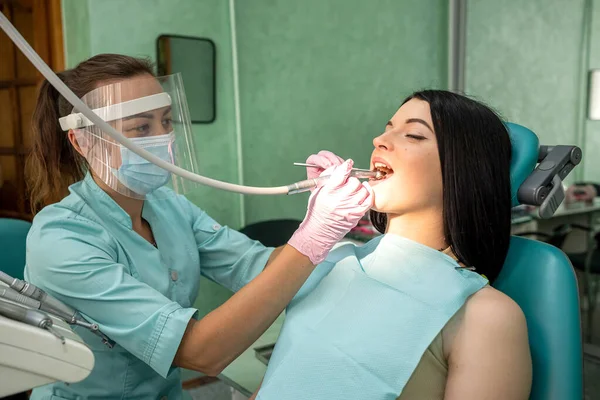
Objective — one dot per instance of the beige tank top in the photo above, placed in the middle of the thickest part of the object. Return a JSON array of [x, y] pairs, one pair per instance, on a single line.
[[428, 380]]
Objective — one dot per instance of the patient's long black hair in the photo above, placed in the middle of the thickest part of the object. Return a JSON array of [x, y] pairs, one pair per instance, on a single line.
[[475, 152]]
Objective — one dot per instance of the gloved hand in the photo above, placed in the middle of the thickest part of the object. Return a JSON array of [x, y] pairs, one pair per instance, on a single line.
[[333, 209], [324, 159]]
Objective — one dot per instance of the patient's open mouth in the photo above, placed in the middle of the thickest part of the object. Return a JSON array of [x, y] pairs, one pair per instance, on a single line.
[[383, 171]]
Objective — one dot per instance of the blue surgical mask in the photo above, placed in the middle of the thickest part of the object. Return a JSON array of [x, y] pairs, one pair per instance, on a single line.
[[140, 175]]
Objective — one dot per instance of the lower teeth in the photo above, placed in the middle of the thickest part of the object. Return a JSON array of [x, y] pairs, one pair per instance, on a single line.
[[381, 175]]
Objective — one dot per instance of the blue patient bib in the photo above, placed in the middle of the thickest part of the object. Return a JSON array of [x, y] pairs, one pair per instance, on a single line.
[[359, 326]]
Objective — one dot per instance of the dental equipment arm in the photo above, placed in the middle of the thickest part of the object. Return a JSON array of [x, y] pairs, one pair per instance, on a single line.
[[543, 187]]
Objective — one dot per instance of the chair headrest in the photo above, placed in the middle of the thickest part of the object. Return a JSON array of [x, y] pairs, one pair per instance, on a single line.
[[525, 150]]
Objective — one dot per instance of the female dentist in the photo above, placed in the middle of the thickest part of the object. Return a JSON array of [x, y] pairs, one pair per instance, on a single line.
[[128, 253]]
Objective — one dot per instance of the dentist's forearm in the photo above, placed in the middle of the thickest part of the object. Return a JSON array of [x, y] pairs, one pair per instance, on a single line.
[[253, 397], [212, 343]]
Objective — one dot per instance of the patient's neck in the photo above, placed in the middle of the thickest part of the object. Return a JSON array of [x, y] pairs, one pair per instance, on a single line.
[[425, 227]]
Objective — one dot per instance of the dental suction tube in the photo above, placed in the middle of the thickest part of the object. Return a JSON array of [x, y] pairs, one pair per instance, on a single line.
[[55, 81]]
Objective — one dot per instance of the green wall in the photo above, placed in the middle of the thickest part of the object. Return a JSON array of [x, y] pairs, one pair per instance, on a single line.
[[591, 164], [524, 58], [320, 74], [76, 31]]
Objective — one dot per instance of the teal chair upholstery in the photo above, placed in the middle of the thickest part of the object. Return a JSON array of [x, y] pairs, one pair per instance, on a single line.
[[525, 150], [13, 233], [539, 277]]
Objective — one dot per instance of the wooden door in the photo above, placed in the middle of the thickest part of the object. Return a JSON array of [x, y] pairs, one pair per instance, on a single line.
[[39, 21]]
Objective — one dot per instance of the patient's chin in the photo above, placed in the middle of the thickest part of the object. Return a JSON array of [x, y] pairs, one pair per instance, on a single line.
[[386, 210], [381, 202], [381, 207], [386, 204]]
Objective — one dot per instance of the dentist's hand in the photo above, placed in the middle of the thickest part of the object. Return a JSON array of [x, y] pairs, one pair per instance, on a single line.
[[324, 159], [333, 209]]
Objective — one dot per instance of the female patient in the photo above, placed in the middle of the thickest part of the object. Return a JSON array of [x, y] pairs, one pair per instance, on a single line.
[[411, 315]]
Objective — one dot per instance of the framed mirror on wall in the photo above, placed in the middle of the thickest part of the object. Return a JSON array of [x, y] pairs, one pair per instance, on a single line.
[[195, 59]]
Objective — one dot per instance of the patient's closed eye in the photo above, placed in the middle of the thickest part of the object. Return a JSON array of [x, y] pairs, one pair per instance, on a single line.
[[415, 137]]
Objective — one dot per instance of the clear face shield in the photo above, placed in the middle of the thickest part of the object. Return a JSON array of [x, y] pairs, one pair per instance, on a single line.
[[153, 113]]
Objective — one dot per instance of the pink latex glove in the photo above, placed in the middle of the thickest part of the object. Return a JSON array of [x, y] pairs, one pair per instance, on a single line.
[[334, 208], [324, 159]]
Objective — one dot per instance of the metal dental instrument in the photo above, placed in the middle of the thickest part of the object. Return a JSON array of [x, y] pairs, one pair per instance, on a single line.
[[306, 185], [73, 319], [30, 295], [29, 316], [47, 303], [316, 166], [359, 173]]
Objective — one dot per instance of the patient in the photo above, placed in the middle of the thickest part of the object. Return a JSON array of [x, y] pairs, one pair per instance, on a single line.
[[411, 315]]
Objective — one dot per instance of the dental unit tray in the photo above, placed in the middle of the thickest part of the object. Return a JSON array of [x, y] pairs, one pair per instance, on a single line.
[[543, 187]]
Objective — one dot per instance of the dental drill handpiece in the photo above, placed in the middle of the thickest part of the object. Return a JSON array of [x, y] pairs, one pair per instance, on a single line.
[[28, 316], [13, 295], [306, 185], [49, 304]]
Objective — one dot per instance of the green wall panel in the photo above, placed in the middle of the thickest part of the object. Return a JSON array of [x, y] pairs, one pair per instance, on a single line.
[[523, 59], [591, 143]]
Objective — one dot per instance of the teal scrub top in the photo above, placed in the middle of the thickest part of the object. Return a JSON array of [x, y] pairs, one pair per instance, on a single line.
[[84, 252]]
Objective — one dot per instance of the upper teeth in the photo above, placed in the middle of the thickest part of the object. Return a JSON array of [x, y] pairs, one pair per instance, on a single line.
[[380, 165]]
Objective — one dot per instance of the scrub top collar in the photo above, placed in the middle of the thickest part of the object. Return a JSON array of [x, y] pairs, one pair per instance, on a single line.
[[92, 192]]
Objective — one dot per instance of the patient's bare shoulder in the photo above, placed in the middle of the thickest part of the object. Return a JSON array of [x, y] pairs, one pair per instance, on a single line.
[[485, 310], [488, 339], [491, 308]]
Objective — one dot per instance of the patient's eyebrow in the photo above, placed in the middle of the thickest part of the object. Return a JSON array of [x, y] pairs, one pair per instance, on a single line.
[[419, 121]]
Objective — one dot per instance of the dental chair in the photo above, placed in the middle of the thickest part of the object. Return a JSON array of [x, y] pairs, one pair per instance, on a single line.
[[13, 233], [579, 260], [539, 277]]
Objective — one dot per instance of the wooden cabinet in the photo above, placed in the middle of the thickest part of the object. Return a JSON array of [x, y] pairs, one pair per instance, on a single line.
[[39, 21]]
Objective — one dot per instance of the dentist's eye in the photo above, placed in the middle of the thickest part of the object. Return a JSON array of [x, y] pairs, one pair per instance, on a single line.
[[140, 130], [167, 122]]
